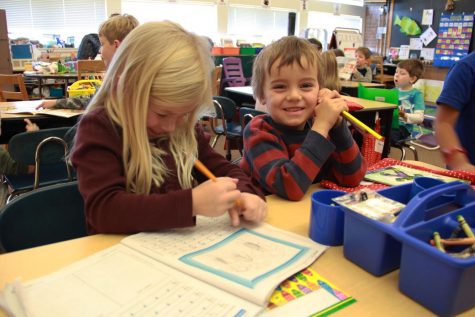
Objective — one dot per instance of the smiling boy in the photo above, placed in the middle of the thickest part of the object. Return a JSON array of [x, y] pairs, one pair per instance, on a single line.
[[303, 138]]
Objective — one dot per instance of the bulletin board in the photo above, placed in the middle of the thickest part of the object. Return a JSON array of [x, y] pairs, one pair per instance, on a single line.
[[455, 32], [414, 8], [346, 40]]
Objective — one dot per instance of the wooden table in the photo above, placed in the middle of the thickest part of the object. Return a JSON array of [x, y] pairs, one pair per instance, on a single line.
[[366, 115], [376, 296], [13, 123]]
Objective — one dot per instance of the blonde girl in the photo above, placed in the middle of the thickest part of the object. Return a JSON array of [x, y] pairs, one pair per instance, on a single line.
[[136, 145]]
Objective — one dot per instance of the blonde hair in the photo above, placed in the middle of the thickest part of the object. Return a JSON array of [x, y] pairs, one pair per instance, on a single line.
[[287, 50], [158, 63], [330, 71], [117, 27]]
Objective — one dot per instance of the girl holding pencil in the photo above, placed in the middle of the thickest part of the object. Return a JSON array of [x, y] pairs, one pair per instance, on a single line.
[[137, 144]]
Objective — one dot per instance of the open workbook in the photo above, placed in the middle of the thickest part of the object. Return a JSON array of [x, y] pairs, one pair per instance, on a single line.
[[29, 107], [212, 269]]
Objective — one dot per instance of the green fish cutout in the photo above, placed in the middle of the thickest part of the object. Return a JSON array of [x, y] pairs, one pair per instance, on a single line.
[[407, 25]]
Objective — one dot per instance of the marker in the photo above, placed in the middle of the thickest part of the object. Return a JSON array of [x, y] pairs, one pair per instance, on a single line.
[[206, 172], [360, 124]]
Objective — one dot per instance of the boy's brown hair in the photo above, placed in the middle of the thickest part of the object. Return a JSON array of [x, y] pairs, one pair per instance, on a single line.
[[414, 67], [365, 51], [117, 27], [287, 50]]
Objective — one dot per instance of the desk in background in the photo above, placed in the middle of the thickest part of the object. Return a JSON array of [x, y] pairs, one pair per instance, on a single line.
[[376, 296], [366, 115], [13, 123], [350, 88]]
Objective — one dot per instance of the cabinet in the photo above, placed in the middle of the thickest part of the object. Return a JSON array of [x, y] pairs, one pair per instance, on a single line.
[[5, 58]]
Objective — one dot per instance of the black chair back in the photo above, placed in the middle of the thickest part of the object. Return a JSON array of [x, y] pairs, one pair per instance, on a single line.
[[42, 216]]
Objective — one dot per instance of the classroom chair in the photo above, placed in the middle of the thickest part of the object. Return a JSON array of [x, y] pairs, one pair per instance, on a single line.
[[91, 69], [233, 73], [389, 96], [7, 86], [224, 124], [45, 149], [218, 72], [380, 76], [46, 215], [247, 114]]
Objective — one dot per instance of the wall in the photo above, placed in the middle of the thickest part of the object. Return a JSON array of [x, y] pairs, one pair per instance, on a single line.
[[413, 9]]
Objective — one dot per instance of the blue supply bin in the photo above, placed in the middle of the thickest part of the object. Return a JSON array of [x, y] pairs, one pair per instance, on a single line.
[[370, 243], [439, 281]]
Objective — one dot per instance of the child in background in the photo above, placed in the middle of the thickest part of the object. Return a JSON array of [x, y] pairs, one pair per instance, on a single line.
[[411, 100], [135, 145], [362, 71], [330, 71], [8, 165], [111, 33], [303, 139]]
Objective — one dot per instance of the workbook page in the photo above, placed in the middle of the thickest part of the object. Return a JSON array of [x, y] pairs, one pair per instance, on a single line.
[[249, 261], [121, 282]]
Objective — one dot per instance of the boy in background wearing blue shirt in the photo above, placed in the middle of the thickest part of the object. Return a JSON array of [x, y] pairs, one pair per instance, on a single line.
[[411, 100]]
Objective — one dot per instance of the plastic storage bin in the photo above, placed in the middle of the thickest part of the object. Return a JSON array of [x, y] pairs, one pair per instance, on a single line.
[[437, 280], [247, 51], [230, 50], [83, 87], [370, 243]]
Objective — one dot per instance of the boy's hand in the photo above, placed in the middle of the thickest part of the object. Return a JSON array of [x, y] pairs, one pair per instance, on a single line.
[[30, 126], [47, 104], [328, 110], [251, 207]]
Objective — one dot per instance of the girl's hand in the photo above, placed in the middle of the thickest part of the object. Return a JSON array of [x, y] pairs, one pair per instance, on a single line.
[[327, 111], [212, 199], [251, 207]]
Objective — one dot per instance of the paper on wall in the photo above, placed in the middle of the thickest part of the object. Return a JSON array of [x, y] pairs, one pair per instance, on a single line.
[[415, 43], [427, 16], [404, 52], [427, 54], [428, 35]]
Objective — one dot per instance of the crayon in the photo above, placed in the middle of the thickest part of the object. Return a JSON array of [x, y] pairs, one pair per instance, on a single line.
[[465, 227], [437, 242]]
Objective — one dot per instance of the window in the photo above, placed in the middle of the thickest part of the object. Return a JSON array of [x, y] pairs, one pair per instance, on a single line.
[[358, 3], [198, 17], [44, 20], [330, 22], [257, 24]]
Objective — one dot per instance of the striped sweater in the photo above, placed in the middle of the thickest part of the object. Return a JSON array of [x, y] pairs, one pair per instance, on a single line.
[[285, 161]]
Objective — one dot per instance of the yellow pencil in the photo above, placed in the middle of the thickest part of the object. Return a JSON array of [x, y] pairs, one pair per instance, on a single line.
[[206, 172], [357, 122]]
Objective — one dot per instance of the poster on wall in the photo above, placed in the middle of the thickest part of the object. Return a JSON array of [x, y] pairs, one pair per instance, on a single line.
[[453, 42]]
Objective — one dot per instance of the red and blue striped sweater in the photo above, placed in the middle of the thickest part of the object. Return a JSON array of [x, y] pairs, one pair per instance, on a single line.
[[285, 161]]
